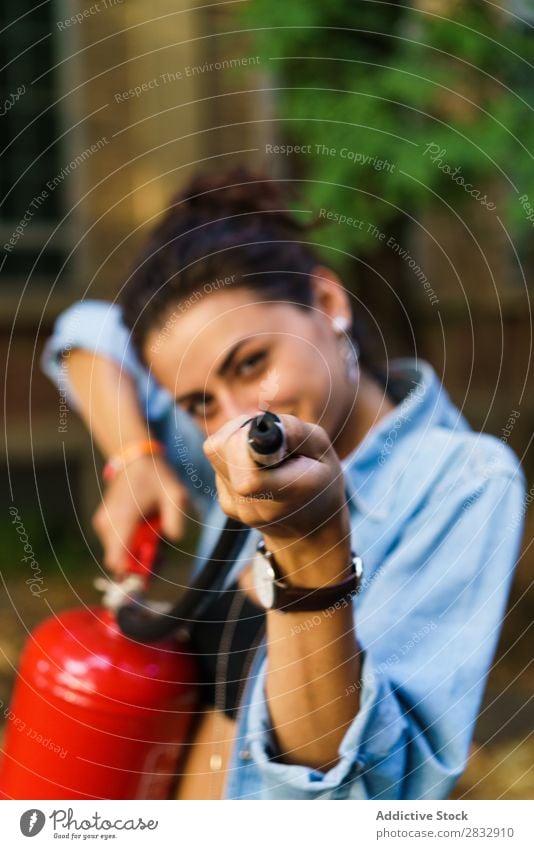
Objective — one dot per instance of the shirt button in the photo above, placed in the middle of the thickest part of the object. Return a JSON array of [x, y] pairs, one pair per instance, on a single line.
[[245, 755]]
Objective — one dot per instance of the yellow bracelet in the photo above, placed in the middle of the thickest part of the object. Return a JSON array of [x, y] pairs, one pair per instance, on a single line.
[[131, 451]]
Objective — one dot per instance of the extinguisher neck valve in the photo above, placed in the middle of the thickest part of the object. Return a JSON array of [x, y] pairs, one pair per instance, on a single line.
[[118, 593]]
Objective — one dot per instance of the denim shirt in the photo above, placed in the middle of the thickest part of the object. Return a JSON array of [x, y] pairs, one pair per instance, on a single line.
[[437, 514]]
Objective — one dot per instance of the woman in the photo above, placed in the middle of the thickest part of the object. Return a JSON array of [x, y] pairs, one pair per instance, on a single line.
[[374, 695]]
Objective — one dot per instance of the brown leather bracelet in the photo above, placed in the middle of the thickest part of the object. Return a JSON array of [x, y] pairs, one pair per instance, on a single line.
[[289, 598]]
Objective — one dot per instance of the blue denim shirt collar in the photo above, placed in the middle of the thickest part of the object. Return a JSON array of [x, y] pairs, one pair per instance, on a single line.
[[426, 405]]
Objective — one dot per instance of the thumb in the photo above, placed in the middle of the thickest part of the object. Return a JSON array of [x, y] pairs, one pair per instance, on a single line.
[[113, 530], [116, 543], [172, 511]]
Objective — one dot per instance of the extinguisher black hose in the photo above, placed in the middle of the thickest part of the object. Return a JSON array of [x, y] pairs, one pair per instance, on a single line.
[[139, 623], [267, 446]]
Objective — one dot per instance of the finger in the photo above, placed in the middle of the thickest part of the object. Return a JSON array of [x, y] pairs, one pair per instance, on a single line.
[[172, 508], [296, 478], [114, 531], [226, 498], [214, 443], [305, 438]]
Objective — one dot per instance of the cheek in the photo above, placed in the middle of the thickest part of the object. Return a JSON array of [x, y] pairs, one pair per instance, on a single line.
[[321, 387], [315, 372], [309, 387]]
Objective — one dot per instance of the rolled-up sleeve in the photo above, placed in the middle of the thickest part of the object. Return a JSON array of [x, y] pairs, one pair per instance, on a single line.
[[428, 624], [380, 719], [97, 326]]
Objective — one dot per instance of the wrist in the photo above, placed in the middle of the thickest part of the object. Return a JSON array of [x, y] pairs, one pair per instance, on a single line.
[[276, 592], [137, 449], [319, 559]]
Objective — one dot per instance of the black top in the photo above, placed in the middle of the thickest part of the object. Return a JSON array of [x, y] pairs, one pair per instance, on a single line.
[[224, 640]]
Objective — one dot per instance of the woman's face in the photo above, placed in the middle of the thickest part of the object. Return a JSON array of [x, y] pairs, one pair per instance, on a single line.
[[225, 354]]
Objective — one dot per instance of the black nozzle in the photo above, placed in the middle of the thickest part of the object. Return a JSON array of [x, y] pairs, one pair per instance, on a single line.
[[265, 435]]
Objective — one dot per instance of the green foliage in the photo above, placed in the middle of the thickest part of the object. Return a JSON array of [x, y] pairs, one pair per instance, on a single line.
[[51, 547], [385, 81]]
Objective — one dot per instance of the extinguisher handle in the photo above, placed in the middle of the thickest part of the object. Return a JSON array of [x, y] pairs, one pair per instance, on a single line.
[[143, 548]]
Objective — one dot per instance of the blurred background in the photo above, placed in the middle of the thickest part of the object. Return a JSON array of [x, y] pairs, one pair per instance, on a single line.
[[407, 127]]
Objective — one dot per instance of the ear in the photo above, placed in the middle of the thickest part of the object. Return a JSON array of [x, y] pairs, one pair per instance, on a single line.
[[330, 298]]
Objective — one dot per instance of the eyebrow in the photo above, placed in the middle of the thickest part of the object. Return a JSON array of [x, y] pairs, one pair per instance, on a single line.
[[221, 371]]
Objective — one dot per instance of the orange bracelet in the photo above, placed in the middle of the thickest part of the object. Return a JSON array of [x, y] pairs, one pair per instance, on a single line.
[[131, 451]]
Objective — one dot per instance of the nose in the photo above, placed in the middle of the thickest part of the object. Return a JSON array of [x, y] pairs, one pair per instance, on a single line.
[[231, 406]]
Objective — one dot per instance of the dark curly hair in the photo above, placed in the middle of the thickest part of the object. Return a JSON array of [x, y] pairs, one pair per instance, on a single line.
[[235, 226]]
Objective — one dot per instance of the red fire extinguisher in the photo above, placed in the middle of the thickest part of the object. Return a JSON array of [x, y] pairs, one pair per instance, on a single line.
[[96, 715]]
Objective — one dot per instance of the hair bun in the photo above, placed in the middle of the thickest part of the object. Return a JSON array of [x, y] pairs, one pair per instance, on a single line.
[[240, 191]]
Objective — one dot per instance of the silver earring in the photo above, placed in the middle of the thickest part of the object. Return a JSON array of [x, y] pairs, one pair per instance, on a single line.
[[347, 346]]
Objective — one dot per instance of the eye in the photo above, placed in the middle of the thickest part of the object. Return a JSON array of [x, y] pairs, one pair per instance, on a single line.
[[200, 407], [251, 364]]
